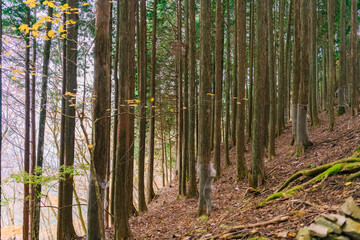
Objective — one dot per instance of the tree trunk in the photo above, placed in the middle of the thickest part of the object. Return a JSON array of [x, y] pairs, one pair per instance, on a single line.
[[101, 119], [354, 58], [1, 95], [122, 230], [342, 101], [281, 87], [192, 103], [150, 188], [219, 64], [331, 62], [288, 63], [227, 84], [116, 100], [234, 85], [205, 107], [258, 166], [179, 97], [251, 72], [271, 80], [241, 74], [142, 107], [59, 233], [313, 62], [42, 121], [302, 135], [296, 69], [27, 131], [69, 128]]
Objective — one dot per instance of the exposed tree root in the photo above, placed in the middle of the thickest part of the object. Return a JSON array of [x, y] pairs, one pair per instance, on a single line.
[[319, 174]]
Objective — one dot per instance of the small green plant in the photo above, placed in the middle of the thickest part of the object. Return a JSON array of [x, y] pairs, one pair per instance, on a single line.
[[203, 218]]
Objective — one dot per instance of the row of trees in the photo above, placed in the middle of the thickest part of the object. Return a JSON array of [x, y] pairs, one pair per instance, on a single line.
[[234, 75]]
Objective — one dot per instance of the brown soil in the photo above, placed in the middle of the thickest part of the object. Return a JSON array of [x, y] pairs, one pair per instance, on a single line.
[[170, 216]]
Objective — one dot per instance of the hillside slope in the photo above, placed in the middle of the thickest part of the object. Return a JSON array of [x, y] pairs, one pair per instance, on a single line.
[[172, 217]]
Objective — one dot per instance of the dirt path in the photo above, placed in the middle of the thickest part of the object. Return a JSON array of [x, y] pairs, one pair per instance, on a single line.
[[173, 217]]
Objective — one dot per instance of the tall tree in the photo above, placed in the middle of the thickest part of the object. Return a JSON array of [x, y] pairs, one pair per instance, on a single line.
[[69, 127], [101, 118], [150, 175], [313, 63], [251, 70], [219, 63], [192, 100], [241, 75], [342, 101], [354, 58], [234, 85], [288, 62], [1, 47], [42, 122], [281, 90], [331, 62], [122, 230], [116, 100], [302, 135], [179, 89], [27, 130], [271, 78], [205, 106], [258, 135], [296, 69], [142, 110], [227, 84]]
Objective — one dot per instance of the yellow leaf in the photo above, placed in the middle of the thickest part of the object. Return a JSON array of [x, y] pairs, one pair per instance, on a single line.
[[137, 101], [85, 4], [238, 103], [348, 183], [51, 33], [171, 110], [90, 146], [13, 78], [152, 99]]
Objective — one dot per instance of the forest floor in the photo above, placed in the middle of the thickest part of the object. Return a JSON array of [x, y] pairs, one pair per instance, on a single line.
[[171, 216]]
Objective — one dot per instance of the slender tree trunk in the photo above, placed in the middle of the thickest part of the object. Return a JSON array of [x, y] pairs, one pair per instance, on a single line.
[[185, 152], [281, 88], [27, 131], [219, 59], [122, 230], [150, 188], [325, 72], [33, 133], [62, 137], [1, 95], [251, 72], [101, 118], [71, 86], [142, 110], [133, 6], [296, 69], [342, 101], [302, 135], [42, 121], [179, 97], [116, 100], [313, 62], [205, 100], [227, 84], [241, 75], [354, 58], [234, 85], [271, 80], [331, 62], [192, 102], [258, 165], [288, 63]]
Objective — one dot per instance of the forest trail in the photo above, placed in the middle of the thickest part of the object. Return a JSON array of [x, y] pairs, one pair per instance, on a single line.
[[172, 217]]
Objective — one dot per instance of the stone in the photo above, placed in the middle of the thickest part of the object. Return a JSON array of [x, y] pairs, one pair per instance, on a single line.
[[332, 227], [283, 234], [303, 234], [340, 219], [342, 238], [352, 229], [317, 230], [350, 208]]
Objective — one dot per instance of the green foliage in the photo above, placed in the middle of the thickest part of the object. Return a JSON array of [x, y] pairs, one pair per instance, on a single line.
[[203, 218]]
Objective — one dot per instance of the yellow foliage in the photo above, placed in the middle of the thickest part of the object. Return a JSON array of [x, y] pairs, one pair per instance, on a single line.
[[51, 33], [31, 3]]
